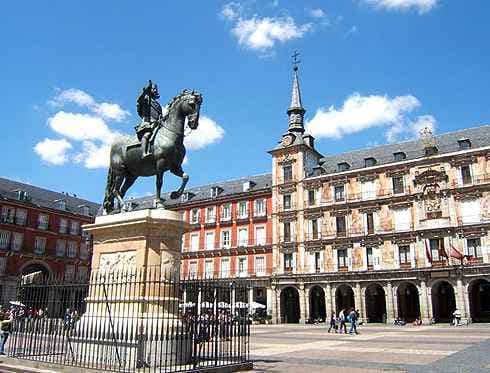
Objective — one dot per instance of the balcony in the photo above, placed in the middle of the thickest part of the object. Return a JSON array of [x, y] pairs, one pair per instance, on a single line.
[[287, 238], [260, 215], [210, 221], [313, 236], [469, 220], [286, 207], [195, 224], [225, 220], [466, 181], [242, 218]]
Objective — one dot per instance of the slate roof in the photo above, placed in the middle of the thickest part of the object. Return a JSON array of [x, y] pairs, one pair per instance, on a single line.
[[446, 143], [45, 198], [203, 192]]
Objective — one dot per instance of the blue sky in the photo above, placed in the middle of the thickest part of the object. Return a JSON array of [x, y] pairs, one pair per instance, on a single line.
[[372, 71]]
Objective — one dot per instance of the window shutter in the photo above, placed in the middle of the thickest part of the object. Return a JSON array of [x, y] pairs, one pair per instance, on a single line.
[[349, 258], [396, 256], [322, 261], [335, 260], [294, 262]]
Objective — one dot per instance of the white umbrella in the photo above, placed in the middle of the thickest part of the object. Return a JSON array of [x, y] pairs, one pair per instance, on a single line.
[[223, 305], [241, 305], [17, 304], [256, 306], [207, 305]]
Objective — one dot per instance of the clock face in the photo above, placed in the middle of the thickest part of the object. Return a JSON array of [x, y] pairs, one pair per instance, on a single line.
[[288, 140]]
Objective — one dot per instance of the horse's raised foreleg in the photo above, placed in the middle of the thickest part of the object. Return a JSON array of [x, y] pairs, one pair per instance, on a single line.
[[158, 199], [185, 178]]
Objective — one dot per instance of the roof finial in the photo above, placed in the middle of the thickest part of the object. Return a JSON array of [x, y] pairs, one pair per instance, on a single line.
[[296, 61]]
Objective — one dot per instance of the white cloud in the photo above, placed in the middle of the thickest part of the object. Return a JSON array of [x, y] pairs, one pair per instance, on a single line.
[[422, 6], [262, 33], [80, 127], [411, 128], [208, 132], [53, 151], [106, 110], [231, 11], [317, 13], [95, 156], [362, 112]]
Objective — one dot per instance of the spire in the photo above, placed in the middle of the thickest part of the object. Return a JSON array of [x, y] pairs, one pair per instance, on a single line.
[[296, 111]]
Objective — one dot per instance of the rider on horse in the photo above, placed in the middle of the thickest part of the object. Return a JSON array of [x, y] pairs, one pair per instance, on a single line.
[[150, 111]]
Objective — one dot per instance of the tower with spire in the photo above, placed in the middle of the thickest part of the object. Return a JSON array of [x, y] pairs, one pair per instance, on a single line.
[[296, 112]]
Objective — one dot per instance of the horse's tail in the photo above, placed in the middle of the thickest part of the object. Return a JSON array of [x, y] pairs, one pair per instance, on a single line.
[[109, 191]]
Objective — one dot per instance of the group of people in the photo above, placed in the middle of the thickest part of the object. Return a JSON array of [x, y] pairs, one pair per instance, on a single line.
[[339, 323]]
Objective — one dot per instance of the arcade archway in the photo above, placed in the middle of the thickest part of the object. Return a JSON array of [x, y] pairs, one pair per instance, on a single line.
[[479, 295], [375, 303], [344, 298], [443, 301], [317, 304], [290, 313], [408, 302]]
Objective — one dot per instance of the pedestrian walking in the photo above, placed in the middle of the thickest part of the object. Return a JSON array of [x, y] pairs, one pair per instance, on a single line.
[[353, 322], [333, 323], [5, 330], [342, 321]]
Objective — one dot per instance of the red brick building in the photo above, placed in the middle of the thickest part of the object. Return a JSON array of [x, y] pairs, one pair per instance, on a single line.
[[40, 230]]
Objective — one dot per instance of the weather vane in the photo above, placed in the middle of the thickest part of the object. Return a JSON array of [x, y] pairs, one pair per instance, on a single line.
[[296, 61]]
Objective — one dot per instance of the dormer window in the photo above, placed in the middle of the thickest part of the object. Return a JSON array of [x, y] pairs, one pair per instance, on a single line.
[[399, 156], [343, 166], [215, 191], [369, 162], [186, 196], [85, 210], [61, 204], [22, 195], [247, 185], [431, 150], [464, 144]]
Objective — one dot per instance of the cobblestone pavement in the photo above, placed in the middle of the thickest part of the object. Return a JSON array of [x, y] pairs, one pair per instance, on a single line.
[[378, 348]]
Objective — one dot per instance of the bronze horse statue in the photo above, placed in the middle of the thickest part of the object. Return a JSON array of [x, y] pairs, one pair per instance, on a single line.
[[168, 152]]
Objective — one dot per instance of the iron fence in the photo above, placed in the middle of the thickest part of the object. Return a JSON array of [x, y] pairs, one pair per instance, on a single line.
[[132, 320]]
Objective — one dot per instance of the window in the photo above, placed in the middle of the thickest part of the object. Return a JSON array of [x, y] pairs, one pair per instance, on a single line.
[[83, 251], [4, 239], [259, 265], [63, 226], [225, 267], [311, 197], [404, 253], [85, 210], [470, 211], [339, 192], [260, 236], [82, 273], [370, 222], [42, 221], [208, 268], [431, 150], [39, 245], [368, 189], [286, 201], [318, 266], [464, 144], [209, 241], [21, 217], [74, 228], [192, 269], [466, 174], [436, 246], [194, 216], [399, 156], [242, 209], [211, 215], [287, 173], [369, 256], [247, 185], [403, 219], [72, 249], [69, 272], [313, 229], [369, 162], [398, 184], [242, 266], [473, 247], [342, 258], [60, 247], [288, 262], [226, 211], [3, 265], [340, 223], [215, 191], [225, 239], [194, 242], [287, 231], [8, 214], [61, 204], [259, 208], [343, 166], [243, 237], [17, 241]]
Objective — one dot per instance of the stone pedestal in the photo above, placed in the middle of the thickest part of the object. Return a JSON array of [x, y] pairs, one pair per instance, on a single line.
[[134, 285]]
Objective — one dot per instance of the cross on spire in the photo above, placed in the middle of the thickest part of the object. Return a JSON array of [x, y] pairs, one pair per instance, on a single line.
[[296, 61]]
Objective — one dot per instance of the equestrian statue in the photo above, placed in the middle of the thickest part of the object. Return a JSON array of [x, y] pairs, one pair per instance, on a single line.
[[158, 146]]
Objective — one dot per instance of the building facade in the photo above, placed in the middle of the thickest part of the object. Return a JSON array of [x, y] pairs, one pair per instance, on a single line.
[[394, 231], [40, 230]]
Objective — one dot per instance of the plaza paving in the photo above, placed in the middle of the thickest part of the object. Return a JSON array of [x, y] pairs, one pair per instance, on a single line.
[[378, 348]]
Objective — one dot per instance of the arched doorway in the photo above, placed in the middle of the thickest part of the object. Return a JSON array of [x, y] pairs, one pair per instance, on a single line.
[[290, 306], [375, 303], [479, 294], [408, 302], [317, 304], [344, 298], [34, 292], [443, 301]]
